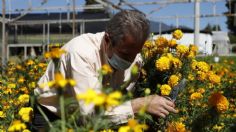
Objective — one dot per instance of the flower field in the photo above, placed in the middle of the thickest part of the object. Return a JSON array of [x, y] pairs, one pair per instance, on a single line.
[[206, 102]]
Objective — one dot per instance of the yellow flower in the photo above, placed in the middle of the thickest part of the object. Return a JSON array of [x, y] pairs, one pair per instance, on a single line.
[[195, 96], [29, 62], [193, 48], [190, 77], [106, 69], [148, 44], [161, 42], [176, 127], [55, 53], [23, 99], [60, 80], [219, 101], [26, 130], [11, 85], [202, 66], [176, 63], [201, 90], [163, 63], [113, 99], [177, 34], [26, 113], [2, 114], [17, 125], [182, 49], [165, 89], [133, 126], [215, 79], [201, 76], [92, 97], [89, 96], [172, 43], [21, 79], [173, 80]]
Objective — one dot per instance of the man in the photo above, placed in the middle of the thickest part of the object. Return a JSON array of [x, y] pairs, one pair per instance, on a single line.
[[118, 47]]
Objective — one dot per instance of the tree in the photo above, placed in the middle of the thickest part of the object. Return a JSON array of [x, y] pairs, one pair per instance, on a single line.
[[231, 21]]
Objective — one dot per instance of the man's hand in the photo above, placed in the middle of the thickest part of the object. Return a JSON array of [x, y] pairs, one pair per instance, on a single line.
[[155, 104]]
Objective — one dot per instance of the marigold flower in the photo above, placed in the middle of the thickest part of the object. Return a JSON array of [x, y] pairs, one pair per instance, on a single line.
[[173, 80], [201, 76], [26, 113], [163, 63], [202, 66], [176, 63], [182, 49], [172, 43], [177, 34], [193, 48], [195, 96], [161, 42], [165, 89], [24, 98], [176, 127], [218, 101], [190, 77], [215, 79]]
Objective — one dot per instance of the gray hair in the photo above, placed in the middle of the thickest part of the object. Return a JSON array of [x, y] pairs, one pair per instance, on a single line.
[[128, 22]]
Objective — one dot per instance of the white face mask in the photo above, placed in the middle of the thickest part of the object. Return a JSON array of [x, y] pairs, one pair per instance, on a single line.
[[118, 63]]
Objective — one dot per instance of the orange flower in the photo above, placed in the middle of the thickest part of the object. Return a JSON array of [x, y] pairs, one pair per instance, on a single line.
[[219, 101]]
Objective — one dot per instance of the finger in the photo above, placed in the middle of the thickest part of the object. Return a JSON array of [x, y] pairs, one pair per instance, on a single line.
[[162, 115], [164, 111], [171, 109], [170, 103]]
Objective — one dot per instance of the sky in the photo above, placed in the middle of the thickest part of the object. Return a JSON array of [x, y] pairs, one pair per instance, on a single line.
[[184, 9]]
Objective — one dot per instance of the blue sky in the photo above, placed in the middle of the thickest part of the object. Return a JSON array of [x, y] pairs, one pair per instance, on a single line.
[[186, 9]]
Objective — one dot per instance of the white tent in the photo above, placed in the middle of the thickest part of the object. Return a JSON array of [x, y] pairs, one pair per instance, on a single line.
[[221, 42]]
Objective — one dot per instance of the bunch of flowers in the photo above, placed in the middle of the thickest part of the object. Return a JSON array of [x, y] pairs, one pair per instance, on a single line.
[[167, 65]]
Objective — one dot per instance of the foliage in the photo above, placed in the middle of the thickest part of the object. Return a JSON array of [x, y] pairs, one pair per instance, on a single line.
[[231, 20]]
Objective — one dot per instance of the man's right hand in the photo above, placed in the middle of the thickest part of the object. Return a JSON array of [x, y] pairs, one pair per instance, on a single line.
[[155, 105]]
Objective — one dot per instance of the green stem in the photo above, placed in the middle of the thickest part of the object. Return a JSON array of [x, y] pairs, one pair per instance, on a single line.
[[63, 121], [45, 117]]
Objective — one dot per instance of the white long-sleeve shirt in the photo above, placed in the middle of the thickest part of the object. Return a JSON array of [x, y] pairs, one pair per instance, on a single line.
[[84, 56]]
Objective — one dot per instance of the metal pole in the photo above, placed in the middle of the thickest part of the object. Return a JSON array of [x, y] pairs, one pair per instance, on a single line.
[[3, 32], [196, 22], [74, 24]]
